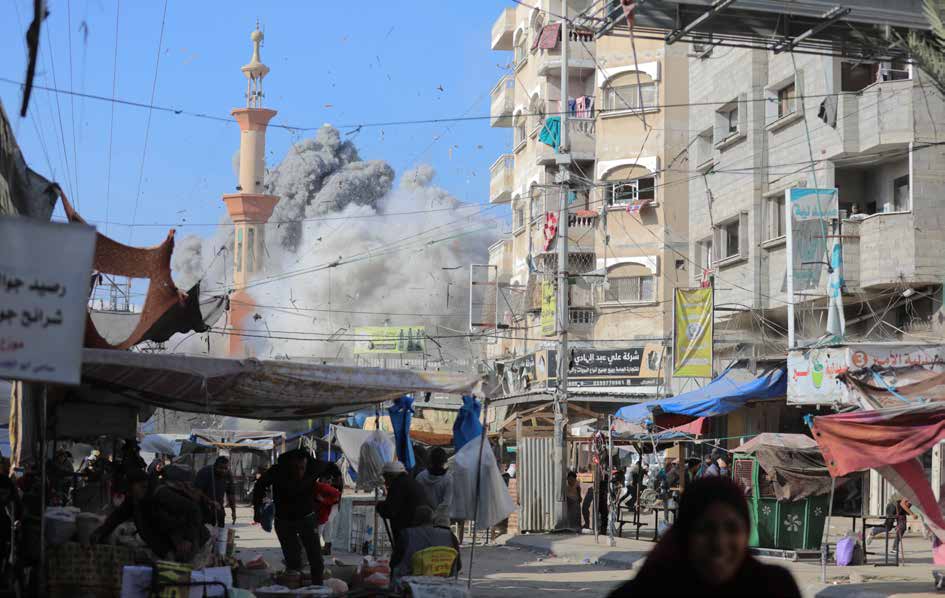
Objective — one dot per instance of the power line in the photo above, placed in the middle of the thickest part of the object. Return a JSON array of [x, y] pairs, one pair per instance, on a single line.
[[147, 128], [427, 121], [111, 122], [75, 152]]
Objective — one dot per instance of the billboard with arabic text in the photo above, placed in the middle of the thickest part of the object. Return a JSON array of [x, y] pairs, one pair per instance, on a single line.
[[813, 374]]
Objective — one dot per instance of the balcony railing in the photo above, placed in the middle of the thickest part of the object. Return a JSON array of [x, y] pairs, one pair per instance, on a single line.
[[503, 102], [581, 52], [582, 139], [503, 30], [501, 179]]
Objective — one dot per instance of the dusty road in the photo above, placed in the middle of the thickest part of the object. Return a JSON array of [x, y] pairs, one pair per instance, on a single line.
[[515, 572], [497, 570]]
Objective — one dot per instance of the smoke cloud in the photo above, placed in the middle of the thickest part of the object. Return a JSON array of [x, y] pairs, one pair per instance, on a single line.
[[346, 248]]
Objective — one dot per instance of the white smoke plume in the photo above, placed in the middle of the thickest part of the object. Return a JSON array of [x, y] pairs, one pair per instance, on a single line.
[[344, 248]]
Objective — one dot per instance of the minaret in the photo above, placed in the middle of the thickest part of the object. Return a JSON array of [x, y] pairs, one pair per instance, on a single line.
[[250, 208]]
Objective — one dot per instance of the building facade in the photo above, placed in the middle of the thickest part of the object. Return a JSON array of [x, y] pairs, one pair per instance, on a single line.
[[765, 123], [627, 204]]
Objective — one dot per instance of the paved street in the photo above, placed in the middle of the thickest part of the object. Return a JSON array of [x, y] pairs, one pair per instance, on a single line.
[[560, 564]]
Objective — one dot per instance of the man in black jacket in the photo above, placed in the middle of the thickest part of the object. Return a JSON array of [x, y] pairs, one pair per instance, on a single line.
[[404, 496], [292, 480]]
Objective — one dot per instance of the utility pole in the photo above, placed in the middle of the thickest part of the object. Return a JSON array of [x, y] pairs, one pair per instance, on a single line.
[[563, 159]]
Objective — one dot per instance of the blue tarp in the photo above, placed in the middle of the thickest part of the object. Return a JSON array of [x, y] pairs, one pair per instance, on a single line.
[[467, 426], [722, 395], [401, 413]]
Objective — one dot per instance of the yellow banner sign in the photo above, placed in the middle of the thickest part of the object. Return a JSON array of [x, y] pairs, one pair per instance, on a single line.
[[390, 339], [548, 302], [692, 333]]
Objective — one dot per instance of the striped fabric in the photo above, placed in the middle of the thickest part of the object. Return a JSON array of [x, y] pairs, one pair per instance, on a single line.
[[891, 442]]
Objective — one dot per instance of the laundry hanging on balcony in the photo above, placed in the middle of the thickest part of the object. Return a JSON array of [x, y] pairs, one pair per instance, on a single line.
[[584, 107], [549, 38], [551, 132], [636, 205]]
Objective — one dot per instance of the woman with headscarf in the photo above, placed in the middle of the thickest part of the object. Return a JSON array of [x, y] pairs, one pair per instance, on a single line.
[[705, 553]]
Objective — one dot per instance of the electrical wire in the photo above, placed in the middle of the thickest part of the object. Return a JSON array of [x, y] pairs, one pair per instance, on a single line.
[[147, 127], [111, 122]]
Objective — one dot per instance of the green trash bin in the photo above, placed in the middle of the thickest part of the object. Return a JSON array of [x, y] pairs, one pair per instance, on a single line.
[[797, 525]]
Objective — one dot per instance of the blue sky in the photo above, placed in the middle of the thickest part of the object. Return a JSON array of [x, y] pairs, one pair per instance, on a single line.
[[330, 63]]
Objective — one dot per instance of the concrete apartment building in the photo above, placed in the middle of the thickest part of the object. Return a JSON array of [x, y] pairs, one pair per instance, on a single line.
[[628, 207], [763, 123]]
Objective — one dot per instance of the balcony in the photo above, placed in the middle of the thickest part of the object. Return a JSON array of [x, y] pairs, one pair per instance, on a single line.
[[503, 30], [500, 179], [582, 138], [503, 102], [878, 118], [581, 53]]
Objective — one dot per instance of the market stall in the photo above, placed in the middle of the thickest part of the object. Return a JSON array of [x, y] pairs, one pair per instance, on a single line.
[[787, 486]]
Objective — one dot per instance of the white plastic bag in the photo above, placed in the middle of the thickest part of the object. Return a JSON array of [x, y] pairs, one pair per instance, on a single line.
[[377, 450], [495, 502]]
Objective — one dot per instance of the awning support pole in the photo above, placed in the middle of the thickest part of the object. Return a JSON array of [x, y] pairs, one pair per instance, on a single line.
[[824, 546], [482, 443]]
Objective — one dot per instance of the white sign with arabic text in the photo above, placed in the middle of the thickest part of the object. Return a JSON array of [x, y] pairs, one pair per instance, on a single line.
[[45, 272]]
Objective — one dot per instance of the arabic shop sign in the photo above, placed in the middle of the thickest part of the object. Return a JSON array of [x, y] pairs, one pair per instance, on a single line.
[[45, 273], [813, 374], [636, 366], [589, 368]]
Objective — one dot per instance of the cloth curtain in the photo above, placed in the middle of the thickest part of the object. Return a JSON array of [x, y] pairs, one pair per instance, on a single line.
[[401, 413], [467, 426]]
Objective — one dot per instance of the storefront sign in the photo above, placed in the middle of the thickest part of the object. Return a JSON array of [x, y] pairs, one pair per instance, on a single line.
[[602, 369], [692, 334], [390, 339], [45, 273], [636, 366], [809, 212], [813, 373]]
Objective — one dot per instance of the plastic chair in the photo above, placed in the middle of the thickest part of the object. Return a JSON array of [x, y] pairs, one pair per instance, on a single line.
[[436, 561]]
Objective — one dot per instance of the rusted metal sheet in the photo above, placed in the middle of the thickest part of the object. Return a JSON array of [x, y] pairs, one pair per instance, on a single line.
[[536, 493]]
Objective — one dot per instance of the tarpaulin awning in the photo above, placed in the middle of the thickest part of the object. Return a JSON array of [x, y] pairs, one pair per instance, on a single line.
[[890, 441], [722, 395], [894, 387], [637, 432], [249, 388], [775, 439], [167, 444], [258, 440], [793, 463]]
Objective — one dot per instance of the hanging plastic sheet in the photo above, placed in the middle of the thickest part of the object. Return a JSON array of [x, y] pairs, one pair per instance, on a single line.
[[467, 426], [401, 413], [495, 502]]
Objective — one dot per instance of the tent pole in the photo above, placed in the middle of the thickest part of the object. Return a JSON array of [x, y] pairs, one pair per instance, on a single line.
[[482, 442], [42, 491], [610, 472], [824, 546]]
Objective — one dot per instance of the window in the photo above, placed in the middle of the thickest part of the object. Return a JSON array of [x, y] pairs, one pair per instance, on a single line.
[[731, 119], [521, 131], [901, 194], [521, 53], [775, 205], [630, 289], [536, 207], [705, 254], [624, 192], [704, 149], [730, 239], [581, 316], [786, 101], [250, 248], [518, 217], [731, 122], [239, 250], [627, 97]]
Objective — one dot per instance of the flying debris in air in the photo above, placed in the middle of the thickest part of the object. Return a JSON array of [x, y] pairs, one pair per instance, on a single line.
[[440, 88]]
